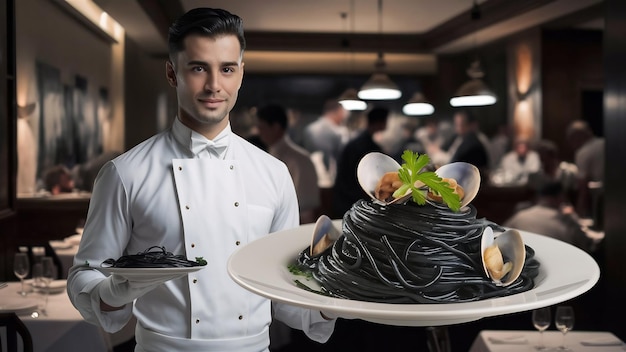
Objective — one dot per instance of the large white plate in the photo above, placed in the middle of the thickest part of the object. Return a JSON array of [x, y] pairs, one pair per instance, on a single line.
[[149, 273], [19, 306], [261, 267]]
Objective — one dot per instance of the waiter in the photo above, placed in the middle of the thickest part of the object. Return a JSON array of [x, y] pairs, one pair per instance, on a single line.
[[199, 190]]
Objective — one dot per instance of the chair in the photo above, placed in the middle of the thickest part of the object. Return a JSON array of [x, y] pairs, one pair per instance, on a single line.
[[14, 327]]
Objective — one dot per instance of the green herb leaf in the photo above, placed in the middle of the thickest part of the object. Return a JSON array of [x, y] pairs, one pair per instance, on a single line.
[[411, 172], [201, 261]]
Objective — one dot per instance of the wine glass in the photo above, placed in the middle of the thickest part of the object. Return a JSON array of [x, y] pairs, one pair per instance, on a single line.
[[46, 278], [564, 321], [541, 321], [21, 267]]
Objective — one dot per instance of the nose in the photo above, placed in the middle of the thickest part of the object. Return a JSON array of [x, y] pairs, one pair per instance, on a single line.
[[212, 82]]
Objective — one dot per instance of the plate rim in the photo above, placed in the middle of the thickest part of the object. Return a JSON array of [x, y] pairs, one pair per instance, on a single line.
[[412, 314], [149, 271]]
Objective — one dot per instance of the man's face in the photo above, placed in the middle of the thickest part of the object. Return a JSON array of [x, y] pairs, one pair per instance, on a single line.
[[207, 76], [460, 124]]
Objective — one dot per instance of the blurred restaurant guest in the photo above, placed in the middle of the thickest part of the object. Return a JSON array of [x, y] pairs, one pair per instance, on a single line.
[[549, 216], [589, 159], [58, 179], [347, 190], [197, 190], [272, 127], [85, 174], [520, 162], [466, 146], [553, 168], [324, 138]]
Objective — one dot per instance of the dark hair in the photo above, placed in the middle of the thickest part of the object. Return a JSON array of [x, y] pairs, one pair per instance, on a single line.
[[273, 114], [331, 105], [207, 22], [52, 177], [550, 189], [377, 114]]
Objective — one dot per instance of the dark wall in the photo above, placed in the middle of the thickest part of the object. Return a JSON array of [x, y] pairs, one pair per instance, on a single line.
[[571, 69], [8, 230], [615, 130]]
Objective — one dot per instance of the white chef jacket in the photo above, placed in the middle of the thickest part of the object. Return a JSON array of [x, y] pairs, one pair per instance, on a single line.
[[160, 193]]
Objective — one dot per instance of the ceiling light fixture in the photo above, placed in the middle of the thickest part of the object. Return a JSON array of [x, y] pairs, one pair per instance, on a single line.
[[380, 86], [349, 98], [418, 106], [474, 92]]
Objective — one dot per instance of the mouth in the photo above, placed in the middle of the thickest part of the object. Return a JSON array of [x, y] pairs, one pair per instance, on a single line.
[[211, 102]]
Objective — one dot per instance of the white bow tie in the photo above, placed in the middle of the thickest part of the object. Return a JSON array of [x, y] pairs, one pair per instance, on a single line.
[[215, 147]]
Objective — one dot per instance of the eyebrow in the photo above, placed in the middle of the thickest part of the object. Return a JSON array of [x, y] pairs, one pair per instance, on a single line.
[[204, 63]]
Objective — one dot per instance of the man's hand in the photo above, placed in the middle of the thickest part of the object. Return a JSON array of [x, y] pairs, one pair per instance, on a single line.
[[117, 291]]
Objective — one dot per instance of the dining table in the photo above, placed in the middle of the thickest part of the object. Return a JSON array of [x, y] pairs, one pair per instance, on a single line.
[[528, 340], [57, 326], [65, 250]]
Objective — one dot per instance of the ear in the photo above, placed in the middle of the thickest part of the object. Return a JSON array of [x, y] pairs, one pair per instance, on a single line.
[[170, 73]]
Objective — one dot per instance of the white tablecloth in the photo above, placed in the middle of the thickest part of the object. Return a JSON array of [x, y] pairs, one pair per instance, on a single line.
[[517, 340], [63, 329], [65, 255]]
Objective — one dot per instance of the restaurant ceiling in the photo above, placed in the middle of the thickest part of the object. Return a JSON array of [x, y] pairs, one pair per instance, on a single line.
[[311, 36]]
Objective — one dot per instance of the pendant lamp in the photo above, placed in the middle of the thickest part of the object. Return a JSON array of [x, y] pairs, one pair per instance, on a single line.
[[350, 100], [474, 92], [380, 86], [418, 106]]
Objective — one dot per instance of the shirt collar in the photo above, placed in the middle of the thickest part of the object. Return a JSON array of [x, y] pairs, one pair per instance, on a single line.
[[200, 145]]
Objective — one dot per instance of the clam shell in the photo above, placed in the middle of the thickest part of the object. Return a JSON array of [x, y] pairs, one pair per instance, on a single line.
[[371, 169], [511, 245], [466, 175], [324, 235]]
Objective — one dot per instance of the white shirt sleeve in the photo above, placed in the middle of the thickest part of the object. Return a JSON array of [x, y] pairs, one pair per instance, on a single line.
[[105, 235]]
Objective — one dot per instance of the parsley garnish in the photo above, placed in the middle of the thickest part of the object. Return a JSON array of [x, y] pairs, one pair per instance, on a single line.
[[201, 261], [410, 173]]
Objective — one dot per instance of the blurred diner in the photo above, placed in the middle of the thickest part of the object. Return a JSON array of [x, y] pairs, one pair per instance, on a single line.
[[467, 145], [272, 123], [517, 164], [325, 138], [347, 189], [589, 153]]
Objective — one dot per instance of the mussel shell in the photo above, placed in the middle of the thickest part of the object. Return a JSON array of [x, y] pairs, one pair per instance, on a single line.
[[513, 250], [371, 169], [324, 230], [466, 175]]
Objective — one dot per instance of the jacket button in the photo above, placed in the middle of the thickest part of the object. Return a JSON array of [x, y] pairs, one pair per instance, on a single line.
[[187, 207], [237, 243], [236, 204], [232, 167], [180, 168], [197, 321], [193, 245], [195, 281], [241, 317]]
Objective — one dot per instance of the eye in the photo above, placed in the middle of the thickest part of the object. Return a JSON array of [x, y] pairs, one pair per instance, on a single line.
[[198, 69], [228, 69]]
